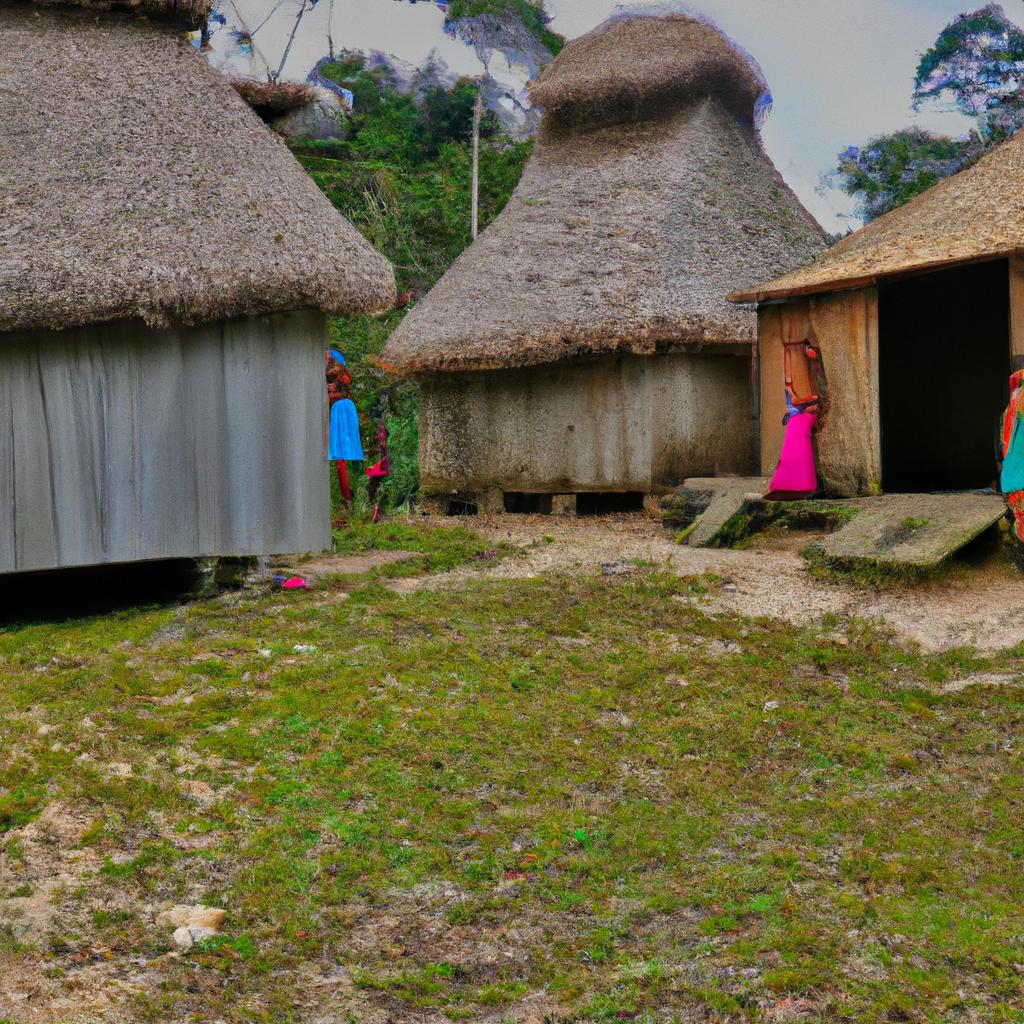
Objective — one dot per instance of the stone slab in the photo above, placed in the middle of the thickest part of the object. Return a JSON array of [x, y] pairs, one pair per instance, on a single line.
[[727, 497], [912, 530]]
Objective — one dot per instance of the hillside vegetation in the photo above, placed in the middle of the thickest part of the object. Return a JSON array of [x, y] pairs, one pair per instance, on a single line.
[[532, 15], [403, 178]]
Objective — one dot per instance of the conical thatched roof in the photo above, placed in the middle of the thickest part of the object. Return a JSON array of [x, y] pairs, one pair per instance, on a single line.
[[974, 215], [137, 183], [632, 221], [632, 65]]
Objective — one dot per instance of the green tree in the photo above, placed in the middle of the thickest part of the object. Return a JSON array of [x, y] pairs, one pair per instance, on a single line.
[[977, 61], [890, 169]]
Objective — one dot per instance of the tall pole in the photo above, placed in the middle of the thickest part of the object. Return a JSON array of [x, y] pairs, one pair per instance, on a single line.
[[478, 107], [291, 39]]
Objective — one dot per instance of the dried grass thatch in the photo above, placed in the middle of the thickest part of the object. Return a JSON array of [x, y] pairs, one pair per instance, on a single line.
[[621, 237], [188, 14], [137, 183], [274, 98], [974, 215], [632, 64]]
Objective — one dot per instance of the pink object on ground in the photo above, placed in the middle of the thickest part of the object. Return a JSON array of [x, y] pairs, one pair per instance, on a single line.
[[795, 476], [295, 583]]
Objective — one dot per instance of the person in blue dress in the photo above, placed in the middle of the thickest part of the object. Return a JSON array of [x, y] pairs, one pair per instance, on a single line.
[[343, 441]]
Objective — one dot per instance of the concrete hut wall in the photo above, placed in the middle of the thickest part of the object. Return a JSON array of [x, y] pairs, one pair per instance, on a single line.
[[845, 326], [608, 423], [121, 443]]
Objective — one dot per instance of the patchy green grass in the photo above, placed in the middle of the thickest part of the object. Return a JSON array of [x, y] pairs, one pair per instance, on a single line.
[[441, 548], [575, 796]]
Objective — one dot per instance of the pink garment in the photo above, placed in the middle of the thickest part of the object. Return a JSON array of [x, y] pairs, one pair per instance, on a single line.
[[795, 476]]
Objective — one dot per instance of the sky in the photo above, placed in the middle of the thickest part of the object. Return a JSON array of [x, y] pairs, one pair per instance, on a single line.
[[840, 71]]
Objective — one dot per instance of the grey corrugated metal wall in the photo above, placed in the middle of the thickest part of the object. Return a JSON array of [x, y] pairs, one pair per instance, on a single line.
[[119, 442]]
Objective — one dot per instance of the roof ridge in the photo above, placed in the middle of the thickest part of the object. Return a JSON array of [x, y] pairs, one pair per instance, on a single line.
[[635, 65]]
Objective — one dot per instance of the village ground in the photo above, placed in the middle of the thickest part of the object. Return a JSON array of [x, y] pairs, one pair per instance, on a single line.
[[548, 770]]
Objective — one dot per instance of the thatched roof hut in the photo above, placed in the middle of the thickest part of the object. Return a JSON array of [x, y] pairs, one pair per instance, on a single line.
[[922, 309], [584, 342], [974, 215], [648, 198], [137, 183], [166, 268]]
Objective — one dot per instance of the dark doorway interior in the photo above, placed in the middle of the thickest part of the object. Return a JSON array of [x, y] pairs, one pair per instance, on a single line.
[[944, 363], [527, 503]]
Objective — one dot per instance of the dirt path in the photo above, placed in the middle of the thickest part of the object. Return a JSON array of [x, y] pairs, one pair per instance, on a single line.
[[979, 607]]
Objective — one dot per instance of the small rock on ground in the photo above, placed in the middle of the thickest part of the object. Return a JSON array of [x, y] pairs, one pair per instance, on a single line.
[[185, 938], [191, 917]]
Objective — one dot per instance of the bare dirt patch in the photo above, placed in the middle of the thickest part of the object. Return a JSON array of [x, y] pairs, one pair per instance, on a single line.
[[978, 607], [41, 861], [349, 565]]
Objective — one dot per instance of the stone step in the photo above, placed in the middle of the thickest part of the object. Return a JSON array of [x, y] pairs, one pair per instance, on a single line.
[[918, 531], [722, 497]]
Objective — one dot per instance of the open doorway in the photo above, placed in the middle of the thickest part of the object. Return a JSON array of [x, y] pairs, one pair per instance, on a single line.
[[943, 367]]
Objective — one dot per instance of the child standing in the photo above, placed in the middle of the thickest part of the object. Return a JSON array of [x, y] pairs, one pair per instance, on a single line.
[[343, 441]]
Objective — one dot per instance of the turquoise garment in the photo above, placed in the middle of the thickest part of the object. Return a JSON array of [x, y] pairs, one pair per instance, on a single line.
[[344, 441], [1012, 477]]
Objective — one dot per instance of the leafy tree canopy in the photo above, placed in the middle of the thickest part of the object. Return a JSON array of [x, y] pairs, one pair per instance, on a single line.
[[978, 61], [890, 169]]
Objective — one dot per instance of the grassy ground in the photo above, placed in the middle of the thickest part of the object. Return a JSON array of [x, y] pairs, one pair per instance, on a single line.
[[572, 798]]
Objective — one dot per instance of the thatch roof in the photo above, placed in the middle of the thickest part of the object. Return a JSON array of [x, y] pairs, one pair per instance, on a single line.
[[188, 14], [632, 64], [274, 97], [622, 236], [974, 215], [137, 183]]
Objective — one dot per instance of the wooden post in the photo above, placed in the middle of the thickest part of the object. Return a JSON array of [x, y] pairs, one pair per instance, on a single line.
[[1017, 313], [477, 113]]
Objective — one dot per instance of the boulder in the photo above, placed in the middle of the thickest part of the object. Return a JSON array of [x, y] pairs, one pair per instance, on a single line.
[[326, 117], [191, 917]]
